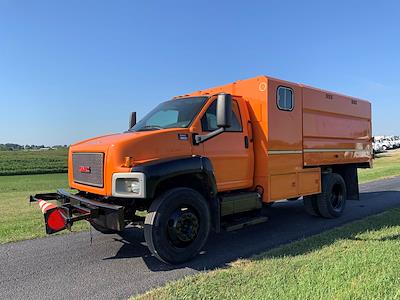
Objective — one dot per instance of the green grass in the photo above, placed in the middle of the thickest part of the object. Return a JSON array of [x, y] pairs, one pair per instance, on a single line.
[[357, 261], [20, 220], [385, 165], [33, 162]]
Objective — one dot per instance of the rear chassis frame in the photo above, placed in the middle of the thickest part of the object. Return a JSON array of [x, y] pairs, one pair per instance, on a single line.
[[74, 207]]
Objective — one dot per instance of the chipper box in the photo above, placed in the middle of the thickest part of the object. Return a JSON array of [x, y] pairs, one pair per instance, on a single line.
[[210, 160]]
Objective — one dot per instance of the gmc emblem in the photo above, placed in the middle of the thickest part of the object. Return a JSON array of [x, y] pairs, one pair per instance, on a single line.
[[84, 169]]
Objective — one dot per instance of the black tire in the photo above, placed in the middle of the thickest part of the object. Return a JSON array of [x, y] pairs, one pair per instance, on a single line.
[[332, 201], [102, 229], [311, 206], [177, 225]]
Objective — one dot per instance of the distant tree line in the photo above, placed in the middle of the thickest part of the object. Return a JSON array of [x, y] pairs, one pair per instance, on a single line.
[[14, 147]]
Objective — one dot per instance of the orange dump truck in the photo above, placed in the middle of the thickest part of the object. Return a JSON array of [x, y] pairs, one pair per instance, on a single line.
[[212, 159]]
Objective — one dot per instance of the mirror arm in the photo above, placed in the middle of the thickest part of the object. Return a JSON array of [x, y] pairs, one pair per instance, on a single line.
[[202, 138]]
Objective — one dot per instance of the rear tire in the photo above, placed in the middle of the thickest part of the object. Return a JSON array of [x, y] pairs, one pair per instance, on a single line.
[[332, 201], [311, 206], [177, 225]]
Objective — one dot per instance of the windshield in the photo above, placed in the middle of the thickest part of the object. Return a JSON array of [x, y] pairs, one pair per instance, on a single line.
[[171, 114]]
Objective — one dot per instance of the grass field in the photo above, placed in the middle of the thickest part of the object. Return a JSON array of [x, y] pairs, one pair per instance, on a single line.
[[20, 220], [357, 261], [33, 162], [385, 165]]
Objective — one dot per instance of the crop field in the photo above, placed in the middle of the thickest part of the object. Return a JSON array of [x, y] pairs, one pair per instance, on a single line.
[[33, 162]]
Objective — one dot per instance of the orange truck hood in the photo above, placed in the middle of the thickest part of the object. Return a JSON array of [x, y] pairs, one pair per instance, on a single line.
[[142, 146]]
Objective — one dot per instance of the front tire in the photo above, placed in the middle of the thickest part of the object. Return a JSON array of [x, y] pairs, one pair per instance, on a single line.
[[177, 225]]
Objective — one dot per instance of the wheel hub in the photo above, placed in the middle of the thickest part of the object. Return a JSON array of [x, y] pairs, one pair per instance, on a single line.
[[183, 226]]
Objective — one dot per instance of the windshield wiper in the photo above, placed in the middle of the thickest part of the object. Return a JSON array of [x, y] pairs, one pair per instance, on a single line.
[[150, 127]]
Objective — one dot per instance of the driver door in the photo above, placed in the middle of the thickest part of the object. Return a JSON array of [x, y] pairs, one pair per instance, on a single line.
[[230, 152]]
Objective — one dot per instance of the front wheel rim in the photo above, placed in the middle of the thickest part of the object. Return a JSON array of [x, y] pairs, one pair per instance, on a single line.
[[183, 227]]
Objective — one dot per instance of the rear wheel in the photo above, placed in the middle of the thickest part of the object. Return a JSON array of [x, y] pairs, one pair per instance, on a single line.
[[177, 225], [332, 201]]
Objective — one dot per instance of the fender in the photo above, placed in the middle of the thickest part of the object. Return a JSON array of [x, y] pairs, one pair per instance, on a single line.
[[159, 171]]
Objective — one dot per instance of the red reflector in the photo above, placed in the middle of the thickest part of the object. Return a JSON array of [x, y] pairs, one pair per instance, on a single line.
[[55, 221], [84, 169], [52, 216]]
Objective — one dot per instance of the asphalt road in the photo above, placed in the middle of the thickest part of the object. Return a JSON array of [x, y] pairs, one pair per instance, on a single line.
[[115, 266]]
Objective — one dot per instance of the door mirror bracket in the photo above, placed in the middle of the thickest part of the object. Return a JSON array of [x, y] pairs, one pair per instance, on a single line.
[[200, 138]]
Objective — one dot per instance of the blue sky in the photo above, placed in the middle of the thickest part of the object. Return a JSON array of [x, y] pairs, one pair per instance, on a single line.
[[75, 69]]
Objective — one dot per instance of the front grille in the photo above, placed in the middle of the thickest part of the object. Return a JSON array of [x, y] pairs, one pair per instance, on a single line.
[[87, 168]]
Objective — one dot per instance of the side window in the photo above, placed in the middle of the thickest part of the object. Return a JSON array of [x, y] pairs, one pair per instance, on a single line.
[[284, 98], [209, 120]]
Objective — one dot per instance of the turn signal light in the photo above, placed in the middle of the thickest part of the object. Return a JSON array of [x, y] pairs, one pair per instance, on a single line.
[[128, 162]]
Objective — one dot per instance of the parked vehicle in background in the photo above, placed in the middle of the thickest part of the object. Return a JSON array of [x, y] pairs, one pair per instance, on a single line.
[[396, 141], [392, 143], [386, 145], [212, 158], [377, 147], [386, 142]]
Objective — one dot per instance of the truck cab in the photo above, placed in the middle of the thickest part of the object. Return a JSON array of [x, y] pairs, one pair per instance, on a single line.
[[169, 131], [196, 160]]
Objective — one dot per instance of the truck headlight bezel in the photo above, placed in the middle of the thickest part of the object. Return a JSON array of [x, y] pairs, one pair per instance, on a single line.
[[129, 185]]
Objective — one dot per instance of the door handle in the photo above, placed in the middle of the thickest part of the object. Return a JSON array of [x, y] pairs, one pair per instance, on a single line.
[[246, 142]]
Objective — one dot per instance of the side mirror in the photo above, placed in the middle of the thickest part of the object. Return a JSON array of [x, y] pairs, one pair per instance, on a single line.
[[132, 120], [224, 110]]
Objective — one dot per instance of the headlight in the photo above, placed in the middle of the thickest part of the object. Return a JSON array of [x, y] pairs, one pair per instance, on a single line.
[[135, 187], [128, 185]]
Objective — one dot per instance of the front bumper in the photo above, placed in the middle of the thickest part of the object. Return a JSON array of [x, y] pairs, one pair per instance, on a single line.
[[73, 208]]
